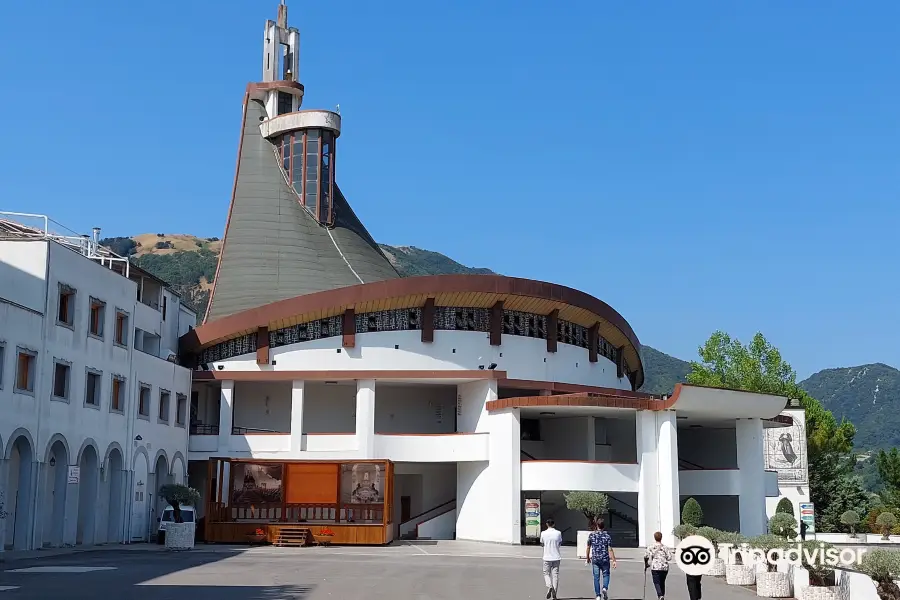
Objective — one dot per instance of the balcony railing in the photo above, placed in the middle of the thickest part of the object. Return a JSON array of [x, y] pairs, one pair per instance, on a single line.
[[204, 429], [252, 430]]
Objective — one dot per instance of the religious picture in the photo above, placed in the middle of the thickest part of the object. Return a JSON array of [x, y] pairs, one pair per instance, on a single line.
[[785, 451], [362, 483], [255, 484]]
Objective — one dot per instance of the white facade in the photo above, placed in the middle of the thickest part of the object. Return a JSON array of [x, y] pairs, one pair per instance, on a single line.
[[464, 466], [79, 464]]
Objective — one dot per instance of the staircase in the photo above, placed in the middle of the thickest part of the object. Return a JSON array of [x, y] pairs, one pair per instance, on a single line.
[[622, 529], [409, 530], [293, 535]]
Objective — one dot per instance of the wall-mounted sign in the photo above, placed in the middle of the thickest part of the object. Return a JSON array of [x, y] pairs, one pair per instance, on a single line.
[[532, 518], [74, 474], [808, 516]]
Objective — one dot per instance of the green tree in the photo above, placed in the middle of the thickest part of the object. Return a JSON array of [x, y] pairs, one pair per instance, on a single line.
[[850, 518], [177, 495], [691, 513], [888, 464], [883, 566], [785, 506], [759, 367], [783, 525], [885, 522], [591, 504]]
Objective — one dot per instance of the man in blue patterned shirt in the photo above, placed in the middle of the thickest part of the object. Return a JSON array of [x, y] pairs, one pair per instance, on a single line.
[[600, 556]]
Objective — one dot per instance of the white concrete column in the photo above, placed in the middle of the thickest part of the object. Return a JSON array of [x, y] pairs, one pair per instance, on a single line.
[[365, 417], [226, 415], [668, 476], [489, 494], [591, 439], [648, 483], [297, 391], [752, 499]]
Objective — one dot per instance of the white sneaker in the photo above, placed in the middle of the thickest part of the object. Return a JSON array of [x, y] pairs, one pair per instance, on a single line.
[[598, 598], [604, 594]]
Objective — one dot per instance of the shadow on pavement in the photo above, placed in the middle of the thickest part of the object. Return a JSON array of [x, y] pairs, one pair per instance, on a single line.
[[149, 575]]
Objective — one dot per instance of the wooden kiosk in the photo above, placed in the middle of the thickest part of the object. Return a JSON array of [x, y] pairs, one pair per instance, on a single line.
[[354, 499]]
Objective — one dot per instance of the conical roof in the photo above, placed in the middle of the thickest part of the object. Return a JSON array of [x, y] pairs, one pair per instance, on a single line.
[[273, 247]]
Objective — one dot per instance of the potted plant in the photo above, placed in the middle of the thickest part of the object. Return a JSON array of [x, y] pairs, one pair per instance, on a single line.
[[883, 566], [691, 513], [714, 535], [770, 583], [257, 537], [179, 535], [736, 571], [851, 520], [885, 522], [821, 575], [684, 530], [783, 525], [592, 505], [324, 536]]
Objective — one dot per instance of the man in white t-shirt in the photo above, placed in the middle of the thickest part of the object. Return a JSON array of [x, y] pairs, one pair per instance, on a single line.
[[551, 539]]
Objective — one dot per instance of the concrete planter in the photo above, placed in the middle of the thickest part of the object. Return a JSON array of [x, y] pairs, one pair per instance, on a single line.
[[179, 536], [773, 585], [819, 593], [581, 541], [740, 574], [718, 568]]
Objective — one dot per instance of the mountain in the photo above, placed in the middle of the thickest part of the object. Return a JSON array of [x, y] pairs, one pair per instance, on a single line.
[[866, 395], [661, 371]]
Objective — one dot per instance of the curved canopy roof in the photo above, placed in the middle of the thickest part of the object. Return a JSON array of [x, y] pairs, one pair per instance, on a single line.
[[485, 291]]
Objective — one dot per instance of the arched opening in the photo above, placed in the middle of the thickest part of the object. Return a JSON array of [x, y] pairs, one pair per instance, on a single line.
[[177, 470], [139, 507], [115, 475], [18, 494], [54, 504], [87, 496], [160, 478]]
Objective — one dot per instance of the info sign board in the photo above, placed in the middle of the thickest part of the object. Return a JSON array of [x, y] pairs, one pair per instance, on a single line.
[[808, 516], [74, 475], [532, 518]]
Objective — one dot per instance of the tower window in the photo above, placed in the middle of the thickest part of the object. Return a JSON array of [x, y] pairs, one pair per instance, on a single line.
[[285, 101]]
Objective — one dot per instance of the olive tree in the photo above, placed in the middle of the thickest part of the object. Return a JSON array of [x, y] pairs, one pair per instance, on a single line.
[[177, 495], [591, 504]]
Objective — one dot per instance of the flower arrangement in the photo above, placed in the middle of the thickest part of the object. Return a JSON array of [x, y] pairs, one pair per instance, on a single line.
[[326, 531], [260, 531]]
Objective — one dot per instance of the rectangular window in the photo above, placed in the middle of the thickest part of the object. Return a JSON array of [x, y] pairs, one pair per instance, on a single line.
[[66, 309], [164, 306], [98, 316], [164, 396], [117, 397], [180, 409], [144, 400], [2, 362], [26, 366], [93, 383], [121, 328], [61, 374]]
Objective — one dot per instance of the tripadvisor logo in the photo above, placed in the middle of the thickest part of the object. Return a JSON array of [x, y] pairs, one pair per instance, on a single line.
[[695, 555]]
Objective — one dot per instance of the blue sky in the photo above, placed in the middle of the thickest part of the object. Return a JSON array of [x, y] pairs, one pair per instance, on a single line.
[[697, 165]]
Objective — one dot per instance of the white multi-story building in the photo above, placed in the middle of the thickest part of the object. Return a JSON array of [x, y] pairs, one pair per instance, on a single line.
[[94, 405], [482, 391]]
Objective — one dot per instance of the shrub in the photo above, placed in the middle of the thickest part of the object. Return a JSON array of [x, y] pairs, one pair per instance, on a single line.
[[176, 495], [712, 534], [684, 530], [785, 507], [736, 540], [851, 520], [765, 543], [883, 566], [591, 504], [783, 525], [885, 522], [819, 571], [691, 513]]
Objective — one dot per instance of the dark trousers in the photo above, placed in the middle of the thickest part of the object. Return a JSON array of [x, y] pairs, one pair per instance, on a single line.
[[693, 585], [659, 582]]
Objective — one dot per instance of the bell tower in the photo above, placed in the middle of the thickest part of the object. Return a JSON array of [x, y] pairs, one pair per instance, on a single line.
[[281, 64]]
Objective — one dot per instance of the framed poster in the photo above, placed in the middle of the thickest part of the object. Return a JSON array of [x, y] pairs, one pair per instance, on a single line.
[[362, 483], [256, 483], [532, 518]]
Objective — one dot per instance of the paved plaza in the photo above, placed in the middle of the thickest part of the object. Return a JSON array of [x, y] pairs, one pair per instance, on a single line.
[[438, 570]]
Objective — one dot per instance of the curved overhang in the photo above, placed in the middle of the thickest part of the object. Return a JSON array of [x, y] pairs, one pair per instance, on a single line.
[[476, 291], [301, 119]]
